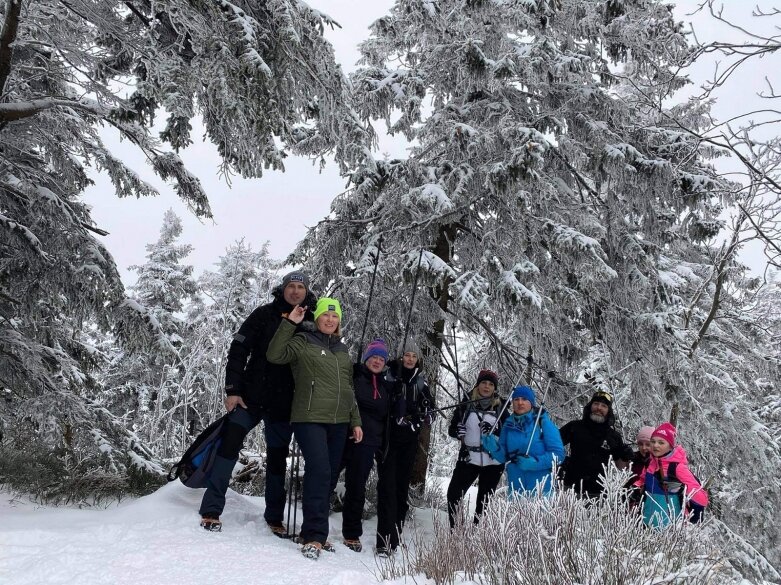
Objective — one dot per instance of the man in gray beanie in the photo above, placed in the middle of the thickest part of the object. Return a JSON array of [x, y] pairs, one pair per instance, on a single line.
[[256, 389]]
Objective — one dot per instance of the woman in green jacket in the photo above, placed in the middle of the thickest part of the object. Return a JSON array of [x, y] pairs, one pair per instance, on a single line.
[[324, 408]]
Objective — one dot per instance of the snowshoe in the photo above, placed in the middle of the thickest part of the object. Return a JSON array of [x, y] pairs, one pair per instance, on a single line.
[[311, 550], [211, 524], [353, 544], [329, 546]]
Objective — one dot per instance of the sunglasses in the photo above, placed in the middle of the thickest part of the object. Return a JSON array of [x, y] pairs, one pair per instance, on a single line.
[[606, 395]]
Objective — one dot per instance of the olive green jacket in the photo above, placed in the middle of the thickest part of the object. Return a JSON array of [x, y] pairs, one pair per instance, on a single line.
[[323, 375]]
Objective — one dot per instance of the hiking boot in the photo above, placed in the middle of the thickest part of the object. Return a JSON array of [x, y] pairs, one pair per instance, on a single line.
[[329, 546], [211, 524], [311, 550], [384, 552], [277, 529], [353, 544]]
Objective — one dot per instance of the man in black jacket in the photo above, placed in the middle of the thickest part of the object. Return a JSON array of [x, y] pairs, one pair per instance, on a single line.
[[256, 389], [593, 441]]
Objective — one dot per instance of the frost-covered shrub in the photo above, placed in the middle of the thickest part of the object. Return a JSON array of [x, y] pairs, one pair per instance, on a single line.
[[564, 539], [54, 477]]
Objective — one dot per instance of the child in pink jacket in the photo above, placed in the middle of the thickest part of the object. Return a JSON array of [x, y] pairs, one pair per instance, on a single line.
[[669, 486]]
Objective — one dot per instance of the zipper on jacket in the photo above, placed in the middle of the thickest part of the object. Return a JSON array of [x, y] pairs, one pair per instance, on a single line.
[[311, 391], [339, 388]]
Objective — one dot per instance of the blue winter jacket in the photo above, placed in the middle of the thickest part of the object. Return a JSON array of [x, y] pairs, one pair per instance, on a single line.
[[524, 473]]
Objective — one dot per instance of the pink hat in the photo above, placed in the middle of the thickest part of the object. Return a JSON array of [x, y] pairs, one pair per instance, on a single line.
[[665, 431], [644, 434]]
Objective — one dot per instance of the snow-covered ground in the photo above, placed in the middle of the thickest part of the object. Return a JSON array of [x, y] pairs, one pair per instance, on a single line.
[[156, 540]]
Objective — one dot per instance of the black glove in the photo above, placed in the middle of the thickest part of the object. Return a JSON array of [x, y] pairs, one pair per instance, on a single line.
[[486, 428], [461, 430]]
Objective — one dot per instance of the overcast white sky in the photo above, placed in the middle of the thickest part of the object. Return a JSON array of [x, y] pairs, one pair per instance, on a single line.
[[279, 206]]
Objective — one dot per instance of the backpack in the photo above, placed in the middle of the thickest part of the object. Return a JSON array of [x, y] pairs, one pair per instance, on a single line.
[[696, 512], [194, 467]]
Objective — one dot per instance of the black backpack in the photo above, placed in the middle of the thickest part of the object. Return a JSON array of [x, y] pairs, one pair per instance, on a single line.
[[194, 467], [697, 513]]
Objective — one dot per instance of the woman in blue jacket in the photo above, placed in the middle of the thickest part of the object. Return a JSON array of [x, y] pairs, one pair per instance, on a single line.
[[529, 449]]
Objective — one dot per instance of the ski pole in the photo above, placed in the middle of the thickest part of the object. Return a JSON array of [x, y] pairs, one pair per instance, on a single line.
[[455, 360], [626, 367], [412, 301], [297, 454], [290, 500], [539, 412], [451, 406], [371, 294]]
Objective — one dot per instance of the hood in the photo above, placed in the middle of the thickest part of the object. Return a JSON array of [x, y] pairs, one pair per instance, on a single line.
[[611, 418]]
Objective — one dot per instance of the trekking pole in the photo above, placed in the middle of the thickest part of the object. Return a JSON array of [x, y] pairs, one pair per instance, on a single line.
[[539, 411], [456, 405], [412, 301], [292, 494], [371, 294], [455, 360], [626, 367], [297, 454], [290, 500], [612, 376]]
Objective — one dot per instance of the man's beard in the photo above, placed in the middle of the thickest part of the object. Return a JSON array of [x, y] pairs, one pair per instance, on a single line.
[[597, 418]]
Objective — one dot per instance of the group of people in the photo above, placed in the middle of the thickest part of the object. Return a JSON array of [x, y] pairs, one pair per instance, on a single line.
[[288, 367]]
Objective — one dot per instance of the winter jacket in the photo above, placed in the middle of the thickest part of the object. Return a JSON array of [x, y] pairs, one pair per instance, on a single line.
[[591, 447], [373, 395], [264, 387], [524, 473], [639, 463], [323, 374], [655, 478], [472, 414], [411, 401]]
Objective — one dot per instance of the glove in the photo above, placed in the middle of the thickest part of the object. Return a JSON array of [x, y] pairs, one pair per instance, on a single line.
[[430, 417], [415, 424], [696, 512], [402, 421], [485, 428], [526, 463], [490, 444], [461, 432]]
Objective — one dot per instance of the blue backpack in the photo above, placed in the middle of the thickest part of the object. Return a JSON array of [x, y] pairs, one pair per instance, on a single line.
[[194, 467]]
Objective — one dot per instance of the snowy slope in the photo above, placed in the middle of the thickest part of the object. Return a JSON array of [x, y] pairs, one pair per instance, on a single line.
[[156, 540]]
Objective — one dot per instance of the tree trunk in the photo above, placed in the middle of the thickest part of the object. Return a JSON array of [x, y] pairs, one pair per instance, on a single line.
[[435, 337], [13, 9]]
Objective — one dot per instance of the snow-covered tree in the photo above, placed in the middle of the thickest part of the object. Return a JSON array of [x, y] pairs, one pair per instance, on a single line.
[[546, 209], [260, 76], [147, 370]]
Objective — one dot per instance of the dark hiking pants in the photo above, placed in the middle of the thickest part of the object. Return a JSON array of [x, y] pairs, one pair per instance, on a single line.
[[393, 477], [278, 435], [322, 446], [464, 475], [357, 461], [239, 423]]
